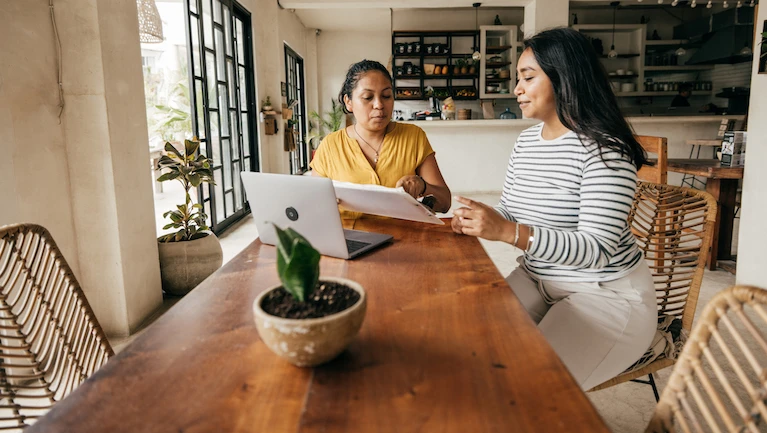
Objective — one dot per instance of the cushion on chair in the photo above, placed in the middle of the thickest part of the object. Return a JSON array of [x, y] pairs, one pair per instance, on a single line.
[[667, 342]]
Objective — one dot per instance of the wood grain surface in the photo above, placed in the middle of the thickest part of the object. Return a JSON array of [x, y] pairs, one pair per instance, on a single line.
[[445, 347]]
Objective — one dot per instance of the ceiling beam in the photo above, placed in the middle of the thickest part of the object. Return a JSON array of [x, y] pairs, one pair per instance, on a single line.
[[395, 4]]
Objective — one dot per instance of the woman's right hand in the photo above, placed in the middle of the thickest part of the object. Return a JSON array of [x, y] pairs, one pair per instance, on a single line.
[[456, 225]]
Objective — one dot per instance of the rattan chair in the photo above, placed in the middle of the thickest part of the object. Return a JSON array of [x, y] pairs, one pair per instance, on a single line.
[[673, 226], [720, 381], [50, 341]]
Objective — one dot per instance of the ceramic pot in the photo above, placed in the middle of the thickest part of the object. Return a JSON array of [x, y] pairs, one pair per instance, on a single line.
[[310, 342], [184, 265]]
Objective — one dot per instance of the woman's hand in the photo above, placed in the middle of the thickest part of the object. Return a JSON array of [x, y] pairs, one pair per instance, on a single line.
[[481, 220], [413, 185]]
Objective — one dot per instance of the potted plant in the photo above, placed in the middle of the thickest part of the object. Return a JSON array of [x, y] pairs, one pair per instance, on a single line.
[[307, 320], [266, 105], [320, 126], [193, 252]]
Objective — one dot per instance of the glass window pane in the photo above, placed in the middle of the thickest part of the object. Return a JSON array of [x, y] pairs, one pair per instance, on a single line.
[[220, 215], [197, 70], [224, 107], [220, 59], [230, 80], [200, 107], [206, 207], [229, 203], [243, 97], [214, 139], [192, 6], [245, 137], [227, 164], [235, 136], [240, 42], [237, 187], [228, 31], [210, 65], [217, 11], [207, 25]]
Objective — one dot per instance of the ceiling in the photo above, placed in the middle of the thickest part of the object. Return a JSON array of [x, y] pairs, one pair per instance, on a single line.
[[345, 19]]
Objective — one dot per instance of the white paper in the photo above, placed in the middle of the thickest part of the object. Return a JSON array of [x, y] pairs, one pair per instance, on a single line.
[[384, 201]]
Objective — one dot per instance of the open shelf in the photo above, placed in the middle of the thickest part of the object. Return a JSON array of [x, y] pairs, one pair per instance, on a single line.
[[489, 65], [679, 68], [497, 49], [620, 56]]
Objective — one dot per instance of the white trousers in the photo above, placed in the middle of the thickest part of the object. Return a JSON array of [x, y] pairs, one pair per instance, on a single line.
[[597, 329]]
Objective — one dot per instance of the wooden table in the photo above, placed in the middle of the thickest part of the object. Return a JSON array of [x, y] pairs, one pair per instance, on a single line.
[[445, 347], [722, 183]]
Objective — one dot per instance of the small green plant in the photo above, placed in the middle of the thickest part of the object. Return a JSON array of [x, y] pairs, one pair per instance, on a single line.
[[320, 126], [267, 103], [461, 63], [191, 171], [298, 263]]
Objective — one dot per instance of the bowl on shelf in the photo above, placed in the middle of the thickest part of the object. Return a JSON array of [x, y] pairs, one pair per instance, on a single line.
[[428, 68], [504, 73]]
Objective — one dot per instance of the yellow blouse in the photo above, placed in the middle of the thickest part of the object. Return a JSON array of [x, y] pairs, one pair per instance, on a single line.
[[339, 157]]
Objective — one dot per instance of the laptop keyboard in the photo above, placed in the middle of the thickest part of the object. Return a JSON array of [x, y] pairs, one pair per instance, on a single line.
[[353, 246]]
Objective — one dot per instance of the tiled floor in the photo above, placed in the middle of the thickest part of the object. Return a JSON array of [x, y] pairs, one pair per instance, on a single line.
[[626, 407]]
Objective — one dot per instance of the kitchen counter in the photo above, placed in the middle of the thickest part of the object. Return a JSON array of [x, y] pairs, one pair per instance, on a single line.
[[473, 154], [640, 119]]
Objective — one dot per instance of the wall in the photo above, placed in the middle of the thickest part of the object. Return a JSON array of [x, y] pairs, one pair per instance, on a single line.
[[753, 236], [34, 168], [337, 50]]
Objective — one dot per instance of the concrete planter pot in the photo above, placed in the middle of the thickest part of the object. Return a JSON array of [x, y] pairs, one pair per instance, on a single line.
[[183, 265], [311, 342]]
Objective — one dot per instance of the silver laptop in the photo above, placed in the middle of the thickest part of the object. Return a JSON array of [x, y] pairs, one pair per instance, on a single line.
[[308, 205]]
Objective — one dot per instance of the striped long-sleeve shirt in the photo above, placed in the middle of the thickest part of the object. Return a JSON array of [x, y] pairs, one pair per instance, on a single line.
[[577, 201]]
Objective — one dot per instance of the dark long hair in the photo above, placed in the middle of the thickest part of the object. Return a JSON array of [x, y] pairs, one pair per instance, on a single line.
[[353, 75], [585, 102]]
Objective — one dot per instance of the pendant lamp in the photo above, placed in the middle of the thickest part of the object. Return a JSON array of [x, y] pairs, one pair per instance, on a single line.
[[613, 54], [476, 55], [149, 22]]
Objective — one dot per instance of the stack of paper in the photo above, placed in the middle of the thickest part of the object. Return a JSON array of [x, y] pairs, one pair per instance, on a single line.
[[384, 201]]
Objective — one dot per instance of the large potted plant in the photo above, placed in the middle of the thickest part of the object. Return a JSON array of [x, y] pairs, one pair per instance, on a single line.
[[192, 252], [307, 320]]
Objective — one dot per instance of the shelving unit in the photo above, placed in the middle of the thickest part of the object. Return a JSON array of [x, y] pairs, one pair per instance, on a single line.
[[455, 47], [629, 43], [636, 54], [498, 46]]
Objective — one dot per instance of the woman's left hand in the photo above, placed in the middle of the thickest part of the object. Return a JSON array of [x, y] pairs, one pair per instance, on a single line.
[[481, 220], [413, 185]]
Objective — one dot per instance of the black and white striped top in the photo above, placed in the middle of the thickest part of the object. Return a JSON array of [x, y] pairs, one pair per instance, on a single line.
[[578, 204]]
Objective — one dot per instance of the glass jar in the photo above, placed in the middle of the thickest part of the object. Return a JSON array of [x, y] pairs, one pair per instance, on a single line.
[[508, 114]]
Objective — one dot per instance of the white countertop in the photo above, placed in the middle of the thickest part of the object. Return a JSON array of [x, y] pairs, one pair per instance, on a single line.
[[522, 123]]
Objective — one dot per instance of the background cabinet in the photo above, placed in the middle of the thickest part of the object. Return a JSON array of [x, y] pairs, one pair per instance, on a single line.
[[498, 66], [434, 63]]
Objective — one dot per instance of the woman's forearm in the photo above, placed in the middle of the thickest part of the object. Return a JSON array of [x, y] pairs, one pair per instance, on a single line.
[[441, 196]]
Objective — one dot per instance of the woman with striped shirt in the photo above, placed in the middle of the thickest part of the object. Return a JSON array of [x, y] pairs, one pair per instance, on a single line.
[[569, 186]]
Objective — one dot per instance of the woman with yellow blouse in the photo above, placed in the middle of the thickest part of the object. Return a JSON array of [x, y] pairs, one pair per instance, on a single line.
[[375, 150]]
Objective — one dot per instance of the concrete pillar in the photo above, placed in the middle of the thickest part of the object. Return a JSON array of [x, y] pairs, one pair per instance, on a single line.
[[105, 132], [753, 237]]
